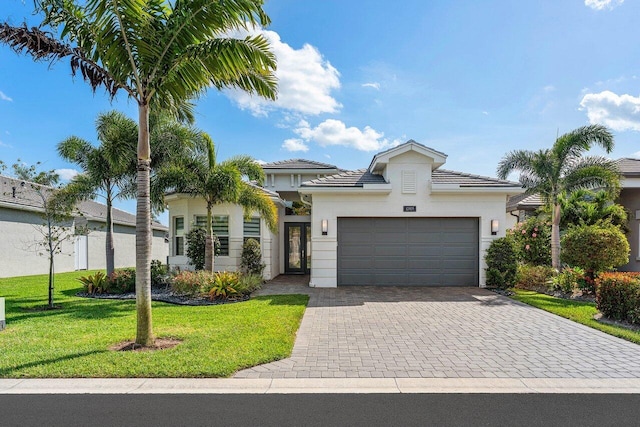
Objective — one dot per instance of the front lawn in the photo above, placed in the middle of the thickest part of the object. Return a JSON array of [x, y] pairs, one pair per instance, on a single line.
[[74, 341], [578, 311]]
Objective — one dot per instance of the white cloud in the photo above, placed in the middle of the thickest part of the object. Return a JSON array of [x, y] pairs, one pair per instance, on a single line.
[[636, 155], [603, 4], [4, 97], [66, 174], [305, 81], [486, 113], [334, 132], [294, 144], [619, 112], [374, 85], [549, 88]]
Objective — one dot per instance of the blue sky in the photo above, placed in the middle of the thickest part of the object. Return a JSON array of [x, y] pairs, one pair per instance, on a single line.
[[472, 79]]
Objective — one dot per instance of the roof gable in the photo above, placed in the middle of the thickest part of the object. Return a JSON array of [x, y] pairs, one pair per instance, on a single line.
[[298, 164], [381, 159]]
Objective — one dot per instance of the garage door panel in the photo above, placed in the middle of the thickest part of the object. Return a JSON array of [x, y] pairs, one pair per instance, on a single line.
[[408, 251]]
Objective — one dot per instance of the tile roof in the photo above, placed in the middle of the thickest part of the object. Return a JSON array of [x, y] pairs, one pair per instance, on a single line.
[[298, 164], [360, 177], [443, 176], [27, 197], [524, 202], [411, 141], [629, 166], [355, 178]]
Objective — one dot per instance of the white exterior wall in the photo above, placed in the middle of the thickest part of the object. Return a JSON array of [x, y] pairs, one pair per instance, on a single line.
[[189, 208], [19, 258], [485, 206]]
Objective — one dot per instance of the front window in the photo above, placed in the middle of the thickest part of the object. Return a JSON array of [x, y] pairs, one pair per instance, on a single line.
[[221, 230], [252, 229], [178, 236]]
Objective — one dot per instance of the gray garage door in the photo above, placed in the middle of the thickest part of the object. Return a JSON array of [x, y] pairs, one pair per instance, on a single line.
[[408, 251]]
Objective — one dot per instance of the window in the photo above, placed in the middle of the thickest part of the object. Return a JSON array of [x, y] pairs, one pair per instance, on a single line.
[[252, 229], [201, 221], [221, 230], [178, 236]]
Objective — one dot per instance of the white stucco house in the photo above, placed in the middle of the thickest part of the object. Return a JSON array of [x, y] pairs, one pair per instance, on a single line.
[[21, 221], [404, 220]]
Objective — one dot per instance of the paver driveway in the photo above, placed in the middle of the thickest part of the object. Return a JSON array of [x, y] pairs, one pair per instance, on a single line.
[[441, 332]]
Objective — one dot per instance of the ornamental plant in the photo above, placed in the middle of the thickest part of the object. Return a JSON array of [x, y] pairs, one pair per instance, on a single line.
[[532, 241], [502, 263], [251, 260], [595, 248], [618, 296]]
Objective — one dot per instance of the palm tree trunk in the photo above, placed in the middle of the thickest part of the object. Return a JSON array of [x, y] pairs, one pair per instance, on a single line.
[[144, 332], [109, 238], [555, 236], [208, 246]]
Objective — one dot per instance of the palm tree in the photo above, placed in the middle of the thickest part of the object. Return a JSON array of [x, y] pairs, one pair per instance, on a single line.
[[161, 53], [592, 207], [106, 168], [235, 180], [564, 169]]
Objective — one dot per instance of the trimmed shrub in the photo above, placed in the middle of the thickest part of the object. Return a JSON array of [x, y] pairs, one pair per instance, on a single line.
[[251, 261], [534, 277], [122, 280], [192, 283], [502, 263], [569, 280], [595, 248], [618, 296], [532, 241], [196, 241]]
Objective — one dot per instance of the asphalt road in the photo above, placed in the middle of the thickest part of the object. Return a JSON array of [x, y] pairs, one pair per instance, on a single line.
[[321, 410]]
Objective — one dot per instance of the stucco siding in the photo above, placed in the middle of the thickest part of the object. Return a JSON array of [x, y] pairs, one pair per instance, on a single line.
[[630, 199]]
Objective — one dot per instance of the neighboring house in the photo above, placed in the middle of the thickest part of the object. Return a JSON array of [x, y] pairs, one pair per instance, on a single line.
[[401, 221], [521, 206], [21, 217]]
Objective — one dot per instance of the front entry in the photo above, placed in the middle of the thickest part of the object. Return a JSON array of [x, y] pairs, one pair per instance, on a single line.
[[297, 247]]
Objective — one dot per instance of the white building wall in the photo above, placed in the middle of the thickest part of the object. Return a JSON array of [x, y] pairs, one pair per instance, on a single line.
[[189, 208], [331, 206]]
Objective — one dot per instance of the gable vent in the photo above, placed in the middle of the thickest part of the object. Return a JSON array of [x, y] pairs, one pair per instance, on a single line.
[[409, 182]]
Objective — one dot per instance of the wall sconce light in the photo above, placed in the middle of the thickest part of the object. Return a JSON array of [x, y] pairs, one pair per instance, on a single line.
[[324, 225], [495, 226]]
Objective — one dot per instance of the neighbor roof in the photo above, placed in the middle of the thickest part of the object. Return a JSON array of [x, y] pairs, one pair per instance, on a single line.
[[629, 166], [524, 202], [26, 198], [298, 164], [360, 177]]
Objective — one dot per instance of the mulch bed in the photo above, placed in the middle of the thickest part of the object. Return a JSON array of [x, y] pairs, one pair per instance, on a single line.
[[166, 295], [160, 344]]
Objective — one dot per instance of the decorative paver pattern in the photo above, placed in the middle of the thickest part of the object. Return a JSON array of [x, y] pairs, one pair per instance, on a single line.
[[375, 332]]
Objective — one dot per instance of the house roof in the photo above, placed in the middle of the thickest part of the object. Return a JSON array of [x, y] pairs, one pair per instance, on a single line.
[[26, 198], [382, 158], [629, 166], [360, 177], [524, 202], [298, 164]]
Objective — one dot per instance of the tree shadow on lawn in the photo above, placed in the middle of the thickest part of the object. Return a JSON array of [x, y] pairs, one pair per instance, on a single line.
[[11, 372], [78, 309], [287, 299]]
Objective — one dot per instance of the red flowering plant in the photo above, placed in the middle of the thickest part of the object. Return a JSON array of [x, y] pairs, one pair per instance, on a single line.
[[532, 240]]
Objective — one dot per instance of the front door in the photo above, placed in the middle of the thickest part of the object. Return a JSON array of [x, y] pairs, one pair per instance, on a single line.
[[297, 247]]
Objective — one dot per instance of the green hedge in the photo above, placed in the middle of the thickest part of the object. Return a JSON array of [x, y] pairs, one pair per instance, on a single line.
[[618, 296]]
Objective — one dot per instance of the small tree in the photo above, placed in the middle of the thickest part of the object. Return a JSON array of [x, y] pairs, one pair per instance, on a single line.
[[595, 248], [55, 212], [196, 241], [502, 263], [251, 261]]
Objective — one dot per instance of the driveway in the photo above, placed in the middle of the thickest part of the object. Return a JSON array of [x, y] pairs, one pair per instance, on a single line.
[[441, 333]]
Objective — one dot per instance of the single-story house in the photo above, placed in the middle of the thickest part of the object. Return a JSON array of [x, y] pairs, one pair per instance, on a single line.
[[523, 205], [21, 226], [402, 221]]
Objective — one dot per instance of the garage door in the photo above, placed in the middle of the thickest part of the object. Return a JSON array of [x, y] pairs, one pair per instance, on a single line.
[[408, 251]]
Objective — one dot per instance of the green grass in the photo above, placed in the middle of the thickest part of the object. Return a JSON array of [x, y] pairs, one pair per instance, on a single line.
[[578, 311], [74, 341]]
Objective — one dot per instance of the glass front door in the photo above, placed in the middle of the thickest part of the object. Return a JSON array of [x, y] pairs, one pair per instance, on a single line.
[[297, 247]]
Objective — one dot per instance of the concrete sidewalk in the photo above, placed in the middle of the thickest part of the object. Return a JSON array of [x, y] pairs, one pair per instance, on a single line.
[[309, 385]]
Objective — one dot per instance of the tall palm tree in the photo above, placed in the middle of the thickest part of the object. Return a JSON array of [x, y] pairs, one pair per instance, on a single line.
[[106, 168], [161, 53], [564, 169], [235, 180]]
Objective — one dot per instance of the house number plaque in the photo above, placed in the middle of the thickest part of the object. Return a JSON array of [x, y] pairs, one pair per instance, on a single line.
[[409, 208]]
